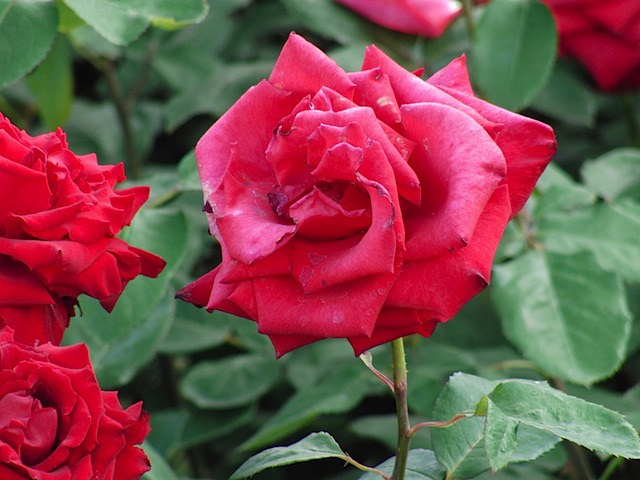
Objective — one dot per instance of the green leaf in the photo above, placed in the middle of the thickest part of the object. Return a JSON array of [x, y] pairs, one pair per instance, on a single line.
[[566, 314], [514, 51], [330, 20], [194, 330], [538, 405], [160, 469], [559, 193], [609, 231], [499, 436], [341, 391], [27, 31], [114, 22], [614, 175], [122, 21], [124, 341], [229, 382], [216, 93], [421, 465], [566, 98], [188, 173], [178, 430], [315, 446], [461, 446], [52, 85], [68, 20]]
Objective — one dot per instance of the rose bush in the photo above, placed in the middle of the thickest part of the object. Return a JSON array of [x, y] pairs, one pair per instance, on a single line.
[[59, 214], [604, 35], [56, 423], [428, 18], [364, 205]]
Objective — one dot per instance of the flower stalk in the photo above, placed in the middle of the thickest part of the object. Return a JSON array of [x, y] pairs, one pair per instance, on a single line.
[[402, 408]]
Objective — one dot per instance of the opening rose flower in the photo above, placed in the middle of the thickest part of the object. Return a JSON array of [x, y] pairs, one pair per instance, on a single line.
[[59, 214], [363, 205], [428, 18], [55, 422], [604, 35]]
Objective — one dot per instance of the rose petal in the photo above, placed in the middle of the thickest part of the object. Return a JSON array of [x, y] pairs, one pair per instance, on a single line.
[[457, 191], [303, 68], [443, 284]]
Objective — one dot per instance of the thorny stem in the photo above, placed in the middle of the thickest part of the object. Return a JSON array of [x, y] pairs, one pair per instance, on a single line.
[[632, 124], [133, 157], [467, 8], [612, 466], [402, 408]]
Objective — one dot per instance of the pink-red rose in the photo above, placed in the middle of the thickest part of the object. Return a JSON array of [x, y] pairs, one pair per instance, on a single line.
[[604, 35], [59, 214], [364, 205], [428, 18], [56, 423]]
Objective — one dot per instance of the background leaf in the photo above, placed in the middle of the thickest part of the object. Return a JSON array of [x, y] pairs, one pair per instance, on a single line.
[[554, 307], [514, 51], [52, 84], [143, 312], [27, 31], [313, 447]]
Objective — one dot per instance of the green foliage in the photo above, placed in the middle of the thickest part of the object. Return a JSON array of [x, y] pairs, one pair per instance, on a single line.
[[514, 51], [27, 31], [140, 81], [548, 300], [314, 447]]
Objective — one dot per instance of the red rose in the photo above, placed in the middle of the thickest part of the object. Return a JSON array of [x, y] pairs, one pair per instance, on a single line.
[[56, 423], [604, 35], [59, 214], [428, 18], [364, 205]]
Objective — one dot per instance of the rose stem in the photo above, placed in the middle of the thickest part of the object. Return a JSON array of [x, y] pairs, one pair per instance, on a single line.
[[467, 7], [402, 409], [123, 111]]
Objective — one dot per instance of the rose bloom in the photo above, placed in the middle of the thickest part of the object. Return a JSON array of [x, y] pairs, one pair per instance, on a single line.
[[56, 423], [59, 214], [604, 35], [364, 205], [428, 18]]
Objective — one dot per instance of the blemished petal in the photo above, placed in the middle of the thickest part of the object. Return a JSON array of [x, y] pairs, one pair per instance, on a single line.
[[343, 310], [395, 323], [283, 344], [262, 105], [303, 68], [443, 284], [412, 89], [455, 76], [373, 89], [318, 264], [321, 218], [459, 167], [527, 145]]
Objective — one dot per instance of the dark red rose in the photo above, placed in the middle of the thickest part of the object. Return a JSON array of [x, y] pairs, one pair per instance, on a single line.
[[56, 423], [363, 205], [604, 35], [428, 18], [59, 214]]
